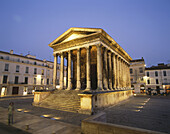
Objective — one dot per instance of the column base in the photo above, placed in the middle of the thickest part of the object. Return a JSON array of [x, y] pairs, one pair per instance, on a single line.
[[100, 89], [77, 89], [87, 89], [68, 89]]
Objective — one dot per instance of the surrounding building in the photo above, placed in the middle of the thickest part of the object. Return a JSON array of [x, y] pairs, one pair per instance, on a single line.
[[158, 78], [137, 75], [23, 74], [95, 60]]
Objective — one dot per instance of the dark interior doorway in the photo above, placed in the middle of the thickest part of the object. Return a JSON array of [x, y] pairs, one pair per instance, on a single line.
[[15, 90]]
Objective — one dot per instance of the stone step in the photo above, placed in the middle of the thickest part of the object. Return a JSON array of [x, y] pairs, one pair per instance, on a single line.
[[71, 109], [63, 100], [61, 104]]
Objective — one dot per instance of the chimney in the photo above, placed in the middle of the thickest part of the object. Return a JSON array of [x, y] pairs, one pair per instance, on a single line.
[[11, 51]]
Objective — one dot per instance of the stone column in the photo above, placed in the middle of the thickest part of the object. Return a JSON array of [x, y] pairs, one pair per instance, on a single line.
[[129, 83], [78, 69], [62, 72], [55, 72], [99, 68], [117, 59], [124, 73], [120, 76], [88, 80], [114, 71], [69, 71], [110, 71], [105, 70]]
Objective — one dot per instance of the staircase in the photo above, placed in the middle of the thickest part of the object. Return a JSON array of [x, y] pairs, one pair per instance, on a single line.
[[63, 100]]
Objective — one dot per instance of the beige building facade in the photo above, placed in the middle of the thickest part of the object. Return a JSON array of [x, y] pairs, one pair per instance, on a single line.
[[21, 75], [158, 78], [94, 61], [137, 75]]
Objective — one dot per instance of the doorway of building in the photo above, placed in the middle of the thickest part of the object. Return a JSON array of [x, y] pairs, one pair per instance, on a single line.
[[158, 89], [3, 91], [15, 90]]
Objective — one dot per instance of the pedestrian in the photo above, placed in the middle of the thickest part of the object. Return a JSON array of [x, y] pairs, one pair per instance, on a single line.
[[10, 113]]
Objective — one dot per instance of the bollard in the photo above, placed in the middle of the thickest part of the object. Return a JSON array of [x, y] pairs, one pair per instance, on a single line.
[[27, 127]]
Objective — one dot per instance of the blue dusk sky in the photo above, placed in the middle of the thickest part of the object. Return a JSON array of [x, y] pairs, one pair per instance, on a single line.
[[140, 27]]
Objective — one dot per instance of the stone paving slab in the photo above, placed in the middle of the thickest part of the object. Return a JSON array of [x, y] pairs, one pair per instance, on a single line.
[[39, 125], [152, 113]]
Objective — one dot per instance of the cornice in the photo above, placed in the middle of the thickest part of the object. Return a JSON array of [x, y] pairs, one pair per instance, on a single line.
[[99, 34]]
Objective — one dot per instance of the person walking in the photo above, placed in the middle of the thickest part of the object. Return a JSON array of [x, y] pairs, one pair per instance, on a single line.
[[10, 113]]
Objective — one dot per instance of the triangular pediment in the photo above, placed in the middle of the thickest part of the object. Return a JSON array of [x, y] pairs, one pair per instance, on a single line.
[[75, 33]]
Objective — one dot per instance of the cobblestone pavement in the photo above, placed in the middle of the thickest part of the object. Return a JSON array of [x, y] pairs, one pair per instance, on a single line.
[[25, 105], [152, 113]]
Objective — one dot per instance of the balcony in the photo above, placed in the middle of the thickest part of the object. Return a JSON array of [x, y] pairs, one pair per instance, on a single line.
[[165, 83]]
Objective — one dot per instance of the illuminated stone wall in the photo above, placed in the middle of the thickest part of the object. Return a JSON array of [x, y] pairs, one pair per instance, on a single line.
[[91, 102]]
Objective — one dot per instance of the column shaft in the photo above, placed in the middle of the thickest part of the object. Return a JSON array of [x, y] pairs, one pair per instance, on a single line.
[[114, 71], [88, 80], [129, 85], [62, 72], [55, 72], [110, 71], [99, 68], [69, 70], [105, 70], [78, 69], [117, 72]]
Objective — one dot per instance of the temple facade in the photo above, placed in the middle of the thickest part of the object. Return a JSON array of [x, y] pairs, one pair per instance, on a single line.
[[95, 61]]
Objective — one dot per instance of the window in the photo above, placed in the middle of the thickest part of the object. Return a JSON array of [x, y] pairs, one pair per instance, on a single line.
[[164, 72], [148, 81], [140, 70], [165, 80], [5, 79], [27, 70], [147, 74], [42, 71], [157, 82], [35, 80], [6, 67], [156, 73], [47, 81], [16, 80], [7, 58], [42, 81], [131, 79], [26, 80], [35, 63], [131, 71], [35, 71], [141, 78], [17, 68], [48, 72]]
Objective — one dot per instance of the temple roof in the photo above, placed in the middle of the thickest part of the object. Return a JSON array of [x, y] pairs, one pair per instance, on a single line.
[[76, 34]]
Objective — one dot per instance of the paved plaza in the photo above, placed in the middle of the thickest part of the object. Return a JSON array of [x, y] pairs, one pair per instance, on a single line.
[[151, 113]]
